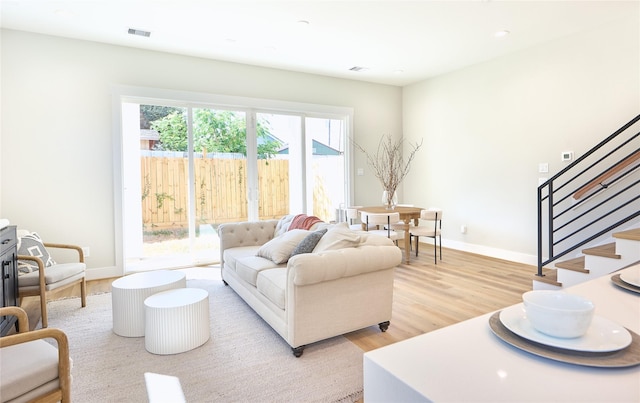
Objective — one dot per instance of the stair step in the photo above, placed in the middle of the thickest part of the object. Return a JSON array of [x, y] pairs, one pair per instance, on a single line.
[[576, 264], [608, 250], [632, 234], [550, 277]]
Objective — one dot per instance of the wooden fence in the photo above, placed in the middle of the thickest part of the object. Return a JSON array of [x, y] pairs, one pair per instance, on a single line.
[[221, 191]]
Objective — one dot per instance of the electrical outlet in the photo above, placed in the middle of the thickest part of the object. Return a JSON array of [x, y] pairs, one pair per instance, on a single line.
[[463, 229], [86, 251]]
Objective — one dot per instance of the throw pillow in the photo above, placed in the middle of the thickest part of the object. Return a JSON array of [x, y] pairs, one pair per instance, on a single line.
[[31, 245], [279, 248], [283, 225], [338, 237], [309, 242]]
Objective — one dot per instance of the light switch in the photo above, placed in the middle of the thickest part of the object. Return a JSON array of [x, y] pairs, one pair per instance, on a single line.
[[360, 172], [543, 167]]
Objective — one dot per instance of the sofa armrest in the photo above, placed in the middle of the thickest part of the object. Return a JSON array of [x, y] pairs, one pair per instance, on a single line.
[[247, 233], [312, 268]]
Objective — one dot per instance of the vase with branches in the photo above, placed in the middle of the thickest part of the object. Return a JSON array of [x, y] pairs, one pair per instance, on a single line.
[[389, 164]]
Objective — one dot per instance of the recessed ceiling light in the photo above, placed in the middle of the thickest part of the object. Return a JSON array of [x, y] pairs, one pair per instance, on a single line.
[[501, 34], [139, 32], [359, 68], [398, 71], [303, 23]]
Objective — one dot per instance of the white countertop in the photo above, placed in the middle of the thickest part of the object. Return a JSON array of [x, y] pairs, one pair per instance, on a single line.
[[467, 362]]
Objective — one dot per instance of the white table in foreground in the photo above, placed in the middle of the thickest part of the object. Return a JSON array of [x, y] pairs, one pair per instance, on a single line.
[[129, 292], [467, 362], [176, 320]]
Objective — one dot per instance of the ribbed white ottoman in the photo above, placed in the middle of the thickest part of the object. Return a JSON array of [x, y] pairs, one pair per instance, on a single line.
[[176, 320], [129, 292]]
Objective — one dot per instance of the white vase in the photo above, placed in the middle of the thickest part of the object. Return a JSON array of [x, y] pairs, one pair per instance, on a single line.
[[389, 202]]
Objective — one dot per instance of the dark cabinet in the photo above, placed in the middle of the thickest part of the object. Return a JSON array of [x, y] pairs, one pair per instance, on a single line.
[[9, 290]]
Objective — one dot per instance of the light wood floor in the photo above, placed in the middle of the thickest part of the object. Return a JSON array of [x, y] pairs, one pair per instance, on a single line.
[[426, 296]]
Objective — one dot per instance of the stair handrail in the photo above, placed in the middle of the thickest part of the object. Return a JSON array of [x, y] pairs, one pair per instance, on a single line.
[[619, 206], [620, 166]]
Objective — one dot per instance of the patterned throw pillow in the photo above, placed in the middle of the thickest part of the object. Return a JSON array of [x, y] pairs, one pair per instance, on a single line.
[[308, 243], [32, 245]]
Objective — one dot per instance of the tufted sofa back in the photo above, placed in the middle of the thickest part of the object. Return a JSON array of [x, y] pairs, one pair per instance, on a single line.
[[245, 234]]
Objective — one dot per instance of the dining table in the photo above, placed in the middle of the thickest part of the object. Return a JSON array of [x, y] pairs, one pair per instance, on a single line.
[[407, 214]]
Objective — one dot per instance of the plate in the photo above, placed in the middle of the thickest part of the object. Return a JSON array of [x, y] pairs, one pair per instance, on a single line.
[[631, 276], [622, 284], [627, 357], [602, 336]]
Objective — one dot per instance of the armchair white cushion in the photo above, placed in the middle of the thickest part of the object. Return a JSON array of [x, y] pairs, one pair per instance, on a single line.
[[32, 368]]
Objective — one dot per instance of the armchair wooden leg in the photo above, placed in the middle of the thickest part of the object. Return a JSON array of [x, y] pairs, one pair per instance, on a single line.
[[43, 310], [83, 292]]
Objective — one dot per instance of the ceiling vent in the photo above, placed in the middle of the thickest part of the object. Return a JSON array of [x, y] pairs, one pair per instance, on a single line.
[[359, 68], [139, 32]]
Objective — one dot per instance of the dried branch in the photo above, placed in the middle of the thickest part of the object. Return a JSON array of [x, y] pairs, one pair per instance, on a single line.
[[388, 162]]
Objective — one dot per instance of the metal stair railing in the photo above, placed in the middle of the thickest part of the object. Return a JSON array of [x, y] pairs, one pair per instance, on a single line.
[[597, 193]]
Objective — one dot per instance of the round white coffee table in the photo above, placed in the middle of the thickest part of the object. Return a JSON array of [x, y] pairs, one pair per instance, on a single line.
[[176, 320], [129, 292]]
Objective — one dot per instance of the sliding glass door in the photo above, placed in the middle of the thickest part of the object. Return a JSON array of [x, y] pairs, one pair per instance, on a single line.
[[186, 168], [185, 174], [308, 172]]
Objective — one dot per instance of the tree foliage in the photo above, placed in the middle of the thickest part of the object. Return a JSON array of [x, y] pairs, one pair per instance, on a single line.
[[213, 131], [150, 113]]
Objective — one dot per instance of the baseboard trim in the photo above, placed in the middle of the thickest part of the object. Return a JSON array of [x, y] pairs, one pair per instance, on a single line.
[[492, 252]]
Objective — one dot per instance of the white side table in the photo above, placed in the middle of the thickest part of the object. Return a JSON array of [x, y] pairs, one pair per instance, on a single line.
[[129, 292], [176, 320]]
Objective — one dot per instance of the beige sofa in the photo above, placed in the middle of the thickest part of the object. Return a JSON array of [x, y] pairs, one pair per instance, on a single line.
[[344, 284]]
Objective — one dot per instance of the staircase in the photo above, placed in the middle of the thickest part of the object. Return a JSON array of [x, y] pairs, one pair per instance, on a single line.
[[595, 262], [593, 201]]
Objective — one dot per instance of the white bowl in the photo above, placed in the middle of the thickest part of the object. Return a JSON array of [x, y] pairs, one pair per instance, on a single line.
[[557, 313]]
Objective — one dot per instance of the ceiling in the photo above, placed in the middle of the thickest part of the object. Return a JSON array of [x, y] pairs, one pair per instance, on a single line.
[[398, 42]]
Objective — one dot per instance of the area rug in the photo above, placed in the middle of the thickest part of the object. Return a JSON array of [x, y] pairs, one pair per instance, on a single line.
[[243, 361]]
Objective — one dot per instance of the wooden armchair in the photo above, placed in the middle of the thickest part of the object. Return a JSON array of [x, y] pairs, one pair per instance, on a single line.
[[55, 277], [33, 369]]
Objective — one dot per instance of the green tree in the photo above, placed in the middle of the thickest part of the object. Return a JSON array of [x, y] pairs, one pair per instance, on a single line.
[[216, 131], [173, 131], [150, 113]]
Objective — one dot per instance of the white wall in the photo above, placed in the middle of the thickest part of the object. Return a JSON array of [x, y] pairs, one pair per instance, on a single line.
[[486, 129], [57, 160]]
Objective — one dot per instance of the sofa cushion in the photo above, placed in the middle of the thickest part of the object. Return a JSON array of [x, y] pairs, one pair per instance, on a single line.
[[232, 255], [309, 242], [279, 249], [248, 268], [272, 284], [338, 237]]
